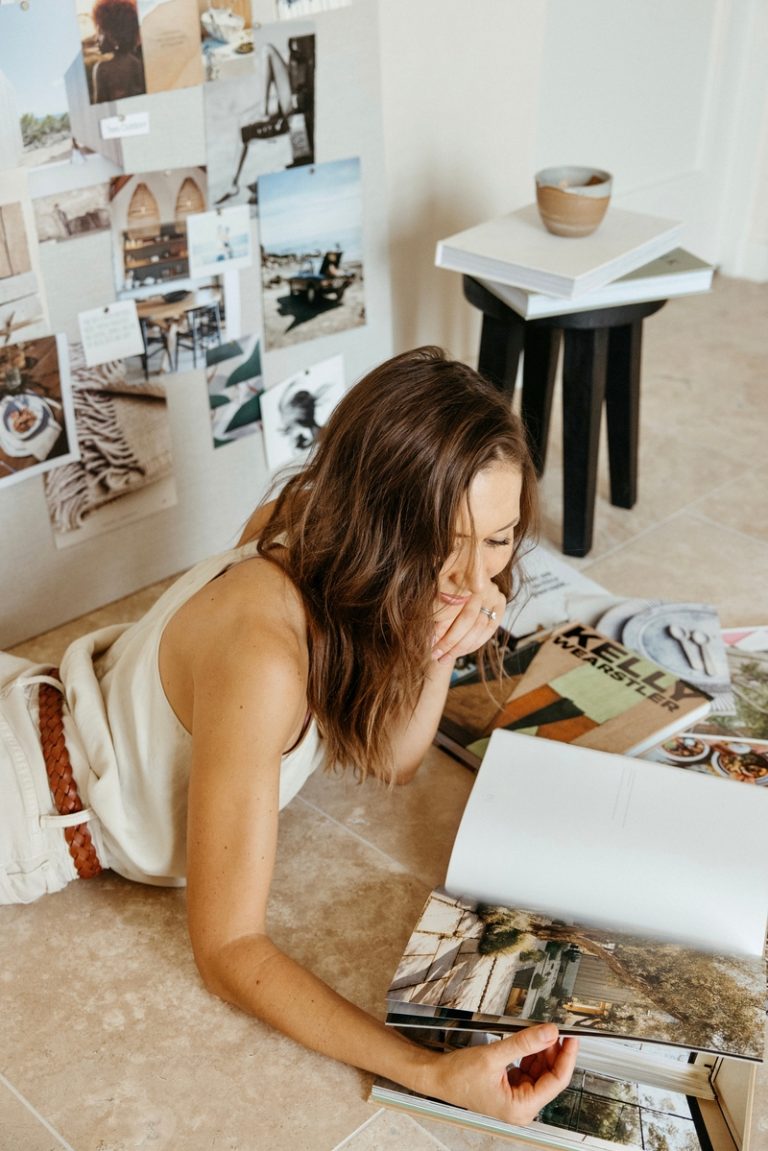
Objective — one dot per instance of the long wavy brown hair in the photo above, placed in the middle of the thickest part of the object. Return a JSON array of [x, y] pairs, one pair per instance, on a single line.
[[365, 528]]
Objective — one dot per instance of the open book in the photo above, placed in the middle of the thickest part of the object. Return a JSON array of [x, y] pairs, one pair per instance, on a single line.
[[698, 1104], [621, 899]]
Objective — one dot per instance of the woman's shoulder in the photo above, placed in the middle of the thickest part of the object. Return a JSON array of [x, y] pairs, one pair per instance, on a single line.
[[251, 606], [259, 588], [244, 632]]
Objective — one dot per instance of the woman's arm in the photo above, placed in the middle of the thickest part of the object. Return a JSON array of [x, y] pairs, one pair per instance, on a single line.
[[248, 697]]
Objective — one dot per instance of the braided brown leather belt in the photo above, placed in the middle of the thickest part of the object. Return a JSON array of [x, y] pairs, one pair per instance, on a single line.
[[61, 779]]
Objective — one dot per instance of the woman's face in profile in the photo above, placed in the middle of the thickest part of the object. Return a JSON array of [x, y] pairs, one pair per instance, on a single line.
[[485, 533]]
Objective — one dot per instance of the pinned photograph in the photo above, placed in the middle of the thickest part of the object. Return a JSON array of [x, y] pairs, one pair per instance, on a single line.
[[219, 241], [40, 42], [67, 215], [112, 51], [149, 215], [22, 311], [170, 43], [311, 226], [264, 121], [180, 316], [227, 31], [178, 329], [125, 472], [235, 387], [294, 411], [132, 47], [36, 419]]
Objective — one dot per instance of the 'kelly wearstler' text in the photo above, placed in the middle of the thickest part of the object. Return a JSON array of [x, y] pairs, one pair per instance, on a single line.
[[652, 683]]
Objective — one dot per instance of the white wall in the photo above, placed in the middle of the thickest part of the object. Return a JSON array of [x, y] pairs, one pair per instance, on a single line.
[[460, 105], [743, 151], [637, 89], [670, 95]]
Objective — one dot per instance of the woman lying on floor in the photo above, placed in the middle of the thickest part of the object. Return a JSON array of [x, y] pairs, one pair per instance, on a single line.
[[326, 637]]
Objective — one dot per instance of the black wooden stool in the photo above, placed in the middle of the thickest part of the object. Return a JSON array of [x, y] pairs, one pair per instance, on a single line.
[[601, 362]]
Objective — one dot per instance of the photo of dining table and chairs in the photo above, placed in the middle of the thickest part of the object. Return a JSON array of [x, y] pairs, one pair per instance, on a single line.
[[178, 327]]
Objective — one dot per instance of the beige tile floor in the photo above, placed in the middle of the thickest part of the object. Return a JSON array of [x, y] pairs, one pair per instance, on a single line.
[[109, 1042]]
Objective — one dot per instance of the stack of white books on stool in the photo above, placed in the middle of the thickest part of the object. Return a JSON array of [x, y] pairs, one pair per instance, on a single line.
[[630, 258]]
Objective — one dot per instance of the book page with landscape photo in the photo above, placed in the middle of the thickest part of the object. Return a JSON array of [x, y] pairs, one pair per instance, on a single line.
[[483, 966], [615, 842]]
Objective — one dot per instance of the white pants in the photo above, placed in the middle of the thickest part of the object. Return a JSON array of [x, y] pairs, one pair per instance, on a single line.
[[34, 854]]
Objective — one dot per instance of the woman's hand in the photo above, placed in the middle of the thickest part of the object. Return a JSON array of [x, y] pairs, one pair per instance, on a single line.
[[461, 629], [484, 1078]]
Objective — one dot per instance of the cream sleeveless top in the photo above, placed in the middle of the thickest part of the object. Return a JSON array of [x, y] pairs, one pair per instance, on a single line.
[[137, 752]]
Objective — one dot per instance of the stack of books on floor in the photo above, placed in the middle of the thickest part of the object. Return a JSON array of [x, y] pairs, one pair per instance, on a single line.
[[594, 884], [631, 258]]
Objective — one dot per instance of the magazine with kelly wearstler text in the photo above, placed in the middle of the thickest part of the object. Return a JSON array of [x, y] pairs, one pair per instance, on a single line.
[[616, 897], [573, 685], [477, 693]]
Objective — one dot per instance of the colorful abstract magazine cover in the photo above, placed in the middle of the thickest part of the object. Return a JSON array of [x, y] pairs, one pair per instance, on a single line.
[[579, 686], [476, 695]]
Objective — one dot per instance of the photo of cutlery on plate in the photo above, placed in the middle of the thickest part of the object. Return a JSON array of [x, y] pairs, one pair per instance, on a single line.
[[683, 638]]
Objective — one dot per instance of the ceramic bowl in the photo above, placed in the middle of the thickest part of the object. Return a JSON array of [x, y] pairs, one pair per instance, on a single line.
[[572, 200]]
